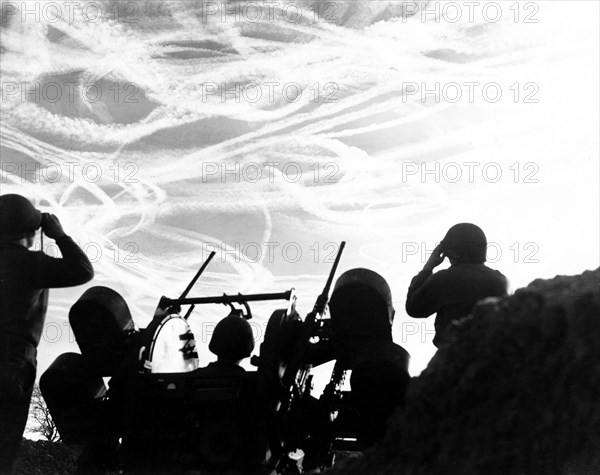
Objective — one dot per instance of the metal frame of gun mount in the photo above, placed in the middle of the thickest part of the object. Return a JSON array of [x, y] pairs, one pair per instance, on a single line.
[[226, 299], [167, 305]]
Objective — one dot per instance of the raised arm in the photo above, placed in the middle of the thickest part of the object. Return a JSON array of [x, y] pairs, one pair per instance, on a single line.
[[422, 299], [74, 268]]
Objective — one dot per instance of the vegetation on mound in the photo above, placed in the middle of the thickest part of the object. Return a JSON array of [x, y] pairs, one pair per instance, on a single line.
[[40, 457]]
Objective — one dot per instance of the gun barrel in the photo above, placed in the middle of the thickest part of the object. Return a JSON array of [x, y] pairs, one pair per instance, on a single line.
[[321, 302], [334, 268], [197, 276]]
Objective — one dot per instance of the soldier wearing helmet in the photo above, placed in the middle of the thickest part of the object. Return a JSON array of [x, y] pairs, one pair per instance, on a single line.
[[25, 277], [232, 341], [452, 293], [362, 314]]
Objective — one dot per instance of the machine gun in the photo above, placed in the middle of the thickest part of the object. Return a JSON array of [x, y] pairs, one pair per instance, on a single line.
[[297, 373], [311, 346]]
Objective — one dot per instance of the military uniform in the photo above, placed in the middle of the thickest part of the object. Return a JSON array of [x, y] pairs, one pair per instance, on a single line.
[[452, 293]]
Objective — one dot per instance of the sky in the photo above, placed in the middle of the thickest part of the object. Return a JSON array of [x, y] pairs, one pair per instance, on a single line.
[[270, 132]]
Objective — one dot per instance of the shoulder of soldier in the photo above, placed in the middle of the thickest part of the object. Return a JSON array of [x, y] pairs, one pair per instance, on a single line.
[[21, 253], [500, 280], [495, 272], [444, 274], [222, 367]]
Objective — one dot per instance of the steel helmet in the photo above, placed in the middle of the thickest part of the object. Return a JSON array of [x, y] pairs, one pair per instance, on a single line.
[[232, 338], [466, 243], [361, 312], [18, 217], [366, 279]]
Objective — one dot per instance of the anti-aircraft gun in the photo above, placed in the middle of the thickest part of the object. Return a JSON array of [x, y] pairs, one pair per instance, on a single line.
[[169, 414], [291, 348]]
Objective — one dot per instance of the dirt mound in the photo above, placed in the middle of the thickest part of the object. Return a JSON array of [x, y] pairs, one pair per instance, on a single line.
[[516, 392], [39, 457]]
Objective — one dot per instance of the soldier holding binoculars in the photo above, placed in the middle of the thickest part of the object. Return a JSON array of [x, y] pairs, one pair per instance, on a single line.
[[25, 277]]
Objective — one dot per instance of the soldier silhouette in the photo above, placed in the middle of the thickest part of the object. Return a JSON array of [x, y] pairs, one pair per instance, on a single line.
[[453, 292], [362, 314], [25, 277], [232, 341]]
